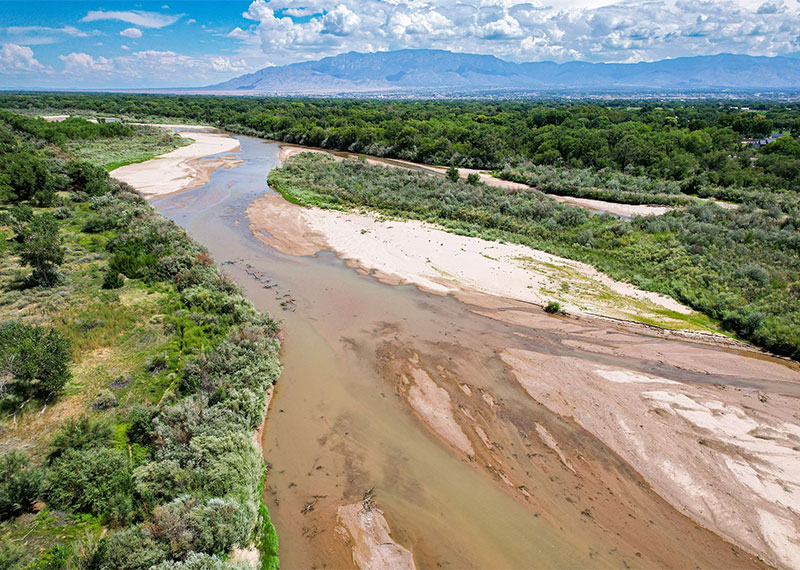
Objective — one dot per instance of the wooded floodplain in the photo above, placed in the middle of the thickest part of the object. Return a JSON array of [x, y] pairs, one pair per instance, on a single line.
[[133, 374]]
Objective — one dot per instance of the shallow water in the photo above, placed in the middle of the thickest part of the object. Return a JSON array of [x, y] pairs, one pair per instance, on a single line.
[[339, 425]]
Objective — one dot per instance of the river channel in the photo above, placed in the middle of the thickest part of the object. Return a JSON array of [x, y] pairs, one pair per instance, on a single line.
[[340, 423]]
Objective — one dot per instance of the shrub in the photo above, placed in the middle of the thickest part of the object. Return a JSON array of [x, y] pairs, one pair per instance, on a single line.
[[40, 247], [33, 361], [80, 433], [19, 485], [553, 307], [90, 480], [133, 549], [473, 178], [452, 173], [112, 279], [105, 401]]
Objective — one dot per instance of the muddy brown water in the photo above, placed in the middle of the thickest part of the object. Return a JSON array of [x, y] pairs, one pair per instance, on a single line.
[[340, 424]]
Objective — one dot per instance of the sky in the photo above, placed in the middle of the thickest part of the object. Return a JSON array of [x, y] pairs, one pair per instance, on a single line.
[[120, 44]]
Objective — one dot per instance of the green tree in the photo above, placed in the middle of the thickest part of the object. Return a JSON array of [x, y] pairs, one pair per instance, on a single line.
[[19, 485], [452, 173], [33, 361], [40, 247]]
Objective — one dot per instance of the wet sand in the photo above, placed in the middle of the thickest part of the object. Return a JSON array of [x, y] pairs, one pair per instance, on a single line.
[[485, 429]]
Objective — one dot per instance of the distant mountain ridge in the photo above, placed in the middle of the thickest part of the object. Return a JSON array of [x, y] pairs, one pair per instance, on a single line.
[[423, 69]]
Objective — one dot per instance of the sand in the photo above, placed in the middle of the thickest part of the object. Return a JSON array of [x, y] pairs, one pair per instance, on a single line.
[[728, 458], [184, 168], [443, 262], [372, 544]]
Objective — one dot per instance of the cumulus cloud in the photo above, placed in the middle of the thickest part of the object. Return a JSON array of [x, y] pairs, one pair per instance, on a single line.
[[15, 58], [83, 63], [135, 17], [592, 30], [131, 33], [341, 21]]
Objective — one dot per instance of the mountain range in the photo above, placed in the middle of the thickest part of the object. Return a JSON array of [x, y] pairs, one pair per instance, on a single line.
[[414, 70]]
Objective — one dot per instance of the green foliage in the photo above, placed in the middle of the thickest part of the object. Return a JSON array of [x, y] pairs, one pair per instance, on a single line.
[[452, 174], [697, 145], [112, 279], [79, 433], [553, 307], [33, 362], [95, 480], [19, 485], [41, 247], [176, 484]]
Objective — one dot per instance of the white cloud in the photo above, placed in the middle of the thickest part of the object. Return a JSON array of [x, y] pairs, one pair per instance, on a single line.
[[15, 58], [83, 63], [41, 35], [131, 33], [341, 21], [135, 17], [592, 30], [224, 64]]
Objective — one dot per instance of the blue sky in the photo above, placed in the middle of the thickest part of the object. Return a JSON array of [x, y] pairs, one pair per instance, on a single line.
[[79, 44]]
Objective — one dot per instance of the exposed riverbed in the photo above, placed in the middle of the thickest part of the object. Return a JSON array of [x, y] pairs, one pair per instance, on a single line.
[[410, 427]]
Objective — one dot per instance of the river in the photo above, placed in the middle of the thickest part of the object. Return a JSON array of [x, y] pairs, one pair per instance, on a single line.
[[345, 418]]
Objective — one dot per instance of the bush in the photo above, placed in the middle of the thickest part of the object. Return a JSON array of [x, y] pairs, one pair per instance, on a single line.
[[40, 247], [91, 480], [19, 485], [553, 307], [105, 401], [112, 279], [80, 433], [33, 361]]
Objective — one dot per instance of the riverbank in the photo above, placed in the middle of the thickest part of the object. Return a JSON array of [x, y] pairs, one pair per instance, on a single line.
[[184, 168], [409, 251]]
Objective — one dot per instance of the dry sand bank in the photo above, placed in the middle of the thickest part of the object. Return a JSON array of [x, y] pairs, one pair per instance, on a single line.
[[443, 262], [184, 168]]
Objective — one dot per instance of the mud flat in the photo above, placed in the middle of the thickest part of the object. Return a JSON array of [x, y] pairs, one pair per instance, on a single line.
[[184, 168]]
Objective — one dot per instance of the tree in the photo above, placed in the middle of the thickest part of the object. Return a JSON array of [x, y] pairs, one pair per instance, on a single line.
[[40, 247], [452, 173], [33, 361], [19, 485], [473, 178]]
